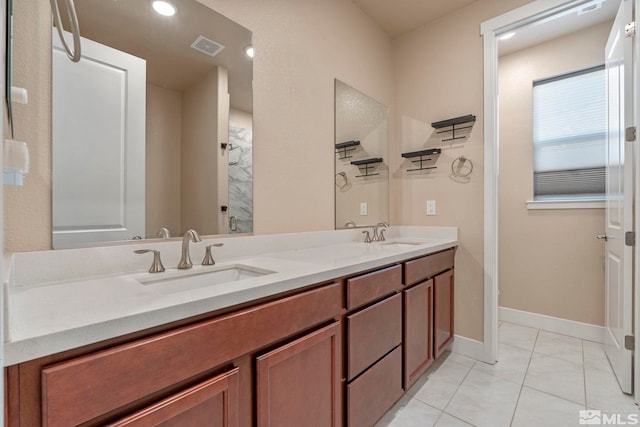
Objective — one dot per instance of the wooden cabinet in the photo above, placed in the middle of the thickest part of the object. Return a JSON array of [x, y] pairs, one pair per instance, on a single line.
[[299, 384], [94, 387], [375, 391], [212, 403], [428, 311], [423, 268], [418, 331], [334, 353], [373, 332], [374, 345], [442, 311], [369, 287]]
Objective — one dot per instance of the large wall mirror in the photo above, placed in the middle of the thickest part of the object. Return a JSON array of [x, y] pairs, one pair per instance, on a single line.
[[361, 158], [152, 129]]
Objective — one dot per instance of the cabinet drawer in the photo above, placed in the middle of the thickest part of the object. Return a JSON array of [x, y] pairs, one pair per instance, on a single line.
[[373, 332], [368, 287], [81, 389], [372, 394], [212, 403], [421, 269]]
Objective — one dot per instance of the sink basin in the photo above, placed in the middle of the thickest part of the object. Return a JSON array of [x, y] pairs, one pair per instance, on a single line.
[[402, 244], [202, 278]]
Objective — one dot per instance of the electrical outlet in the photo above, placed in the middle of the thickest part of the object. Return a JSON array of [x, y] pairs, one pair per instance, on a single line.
[[431, 207], [363, 209]]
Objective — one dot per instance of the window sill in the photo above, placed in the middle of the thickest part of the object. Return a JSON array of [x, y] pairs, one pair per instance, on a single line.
[[565, 204]]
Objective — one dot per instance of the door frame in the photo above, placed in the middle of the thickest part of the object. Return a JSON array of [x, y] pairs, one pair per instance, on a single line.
[[490, 31], [636, 208]]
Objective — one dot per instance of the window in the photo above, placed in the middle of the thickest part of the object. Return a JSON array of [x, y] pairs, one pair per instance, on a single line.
[[569, 135]]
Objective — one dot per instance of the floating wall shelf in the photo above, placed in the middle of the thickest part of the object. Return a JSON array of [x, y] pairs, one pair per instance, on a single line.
[[456, 124], [367, 165], [346, 147], [423, 157]]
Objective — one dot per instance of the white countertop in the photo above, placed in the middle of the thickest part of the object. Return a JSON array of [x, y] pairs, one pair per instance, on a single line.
[[59, 300]]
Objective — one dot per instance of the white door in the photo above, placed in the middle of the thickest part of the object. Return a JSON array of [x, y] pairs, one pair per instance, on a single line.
[[619, 201], [98, 136]]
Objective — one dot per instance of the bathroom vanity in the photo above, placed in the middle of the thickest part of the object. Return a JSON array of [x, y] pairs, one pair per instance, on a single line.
[[335, 340]]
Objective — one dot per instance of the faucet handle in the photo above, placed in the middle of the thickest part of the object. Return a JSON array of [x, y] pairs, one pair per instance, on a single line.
[[208, 258], [367, 236], [156, 266]]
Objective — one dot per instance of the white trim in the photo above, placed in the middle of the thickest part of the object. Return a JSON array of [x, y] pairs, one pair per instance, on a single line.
[[636, 255], [489, 30], [558, 325], [468, 347], [3, 296], [490, 353], [565, 204]]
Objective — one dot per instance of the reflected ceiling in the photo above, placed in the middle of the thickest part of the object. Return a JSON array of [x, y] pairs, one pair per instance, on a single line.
[[165, 42]]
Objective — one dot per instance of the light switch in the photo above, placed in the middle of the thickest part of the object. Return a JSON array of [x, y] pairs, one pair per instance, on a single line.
[[363, 209], [431, 207]]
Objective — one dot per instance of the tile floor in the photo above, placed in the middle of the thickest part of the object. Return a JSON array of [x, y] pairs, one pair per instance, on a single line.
[[542, 380]]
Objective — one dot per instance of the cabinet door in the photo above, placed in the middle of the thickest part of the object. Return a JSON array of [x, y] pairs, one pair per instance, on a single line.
[[443, 311], [298, 384], [213, 403], [418, 331]]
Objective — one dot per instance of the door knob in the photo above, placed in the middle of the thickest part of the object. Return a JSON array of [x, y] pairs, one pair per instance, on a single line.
[[602, 237]]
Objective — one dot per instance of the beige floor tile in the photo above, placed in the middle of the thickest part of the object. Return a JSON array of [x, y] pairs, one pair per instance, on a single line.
[[537, 409], [557, 377], [484, 400]]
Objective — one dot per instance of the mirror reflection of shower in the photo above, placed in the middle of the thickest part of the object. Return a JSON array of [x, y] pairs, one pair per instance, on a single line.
[[240, 170]]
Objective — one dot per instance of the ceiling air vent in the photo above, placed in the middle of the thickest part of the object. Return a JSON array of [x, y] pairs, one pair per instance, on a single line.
[[589, 7], [207, 46]]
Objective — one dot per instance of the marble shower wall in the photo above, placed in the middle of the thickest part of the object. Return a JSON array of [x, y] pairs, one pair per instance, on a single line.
[[241, 177]]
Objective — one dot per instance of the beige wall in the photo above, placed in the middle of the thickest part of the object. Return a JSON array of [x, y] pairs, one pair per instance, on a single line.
[[361, 118], [222, 156], [27, 209], [240, 118], [200, 148], [163, 154], [550, 262], [300, 46], [438, 75]]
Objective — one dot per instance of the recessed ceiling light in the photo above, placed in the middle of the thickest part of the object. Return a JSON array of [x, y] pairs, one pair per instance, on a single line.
[[164, 7], [507, 36], [249, 51]]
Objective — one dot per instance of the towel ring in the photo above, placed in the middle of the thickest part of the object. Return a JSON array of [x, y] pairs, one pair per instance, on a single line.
[[458, 164], [341, 180]]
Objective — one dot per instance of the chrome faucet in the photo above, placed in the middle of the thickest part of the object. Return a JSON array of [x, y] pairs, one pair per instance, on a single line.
[[379, 237], [185, 261], [164, 233], [350, 224], [375, 234]]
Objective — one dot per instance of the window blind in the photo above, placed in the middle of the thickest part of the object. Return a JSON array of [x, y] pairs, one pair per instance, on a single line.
[[569, 135]]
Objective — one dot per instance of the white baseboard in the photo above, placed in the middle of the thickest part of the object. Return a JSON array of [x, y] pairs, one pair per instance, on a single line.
[[468, 347], [571, 328]]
